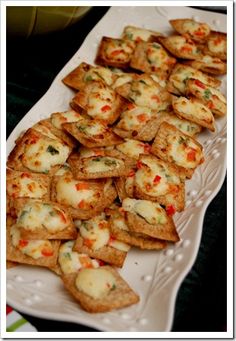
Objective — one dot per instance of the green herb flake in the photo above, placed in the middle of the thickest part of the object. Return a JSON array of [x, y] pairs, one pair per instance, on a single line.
[[156, 46], [129, 35], [88, 78], [52, 213], [109, 162], [67, 255], [181, 140], [97, 159], [113, 287], [207, 94], [23, 214], [82, 128], [52, 150], [142, 81]]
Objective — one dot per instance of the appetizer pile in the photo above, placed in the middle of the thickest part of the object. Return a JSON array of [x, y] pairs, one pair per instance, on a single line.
[[108, 174]]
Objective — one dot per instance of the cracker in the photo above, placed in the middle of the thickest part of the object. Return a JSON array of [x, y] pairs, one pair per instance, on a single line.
[[172, 145], [149, 218], [91, 133], [187, 127], [211, 97], [181, 73], [96, 167], [138, 34], [14, 254], [121, 296], [145, 92], [181, 47], [33, 228], [11, 264], [140, 240], [152, 57], [191, 29], [216, 45], [159, 181], [99, 101], [84, 199], [27, 185], [209, 64], [85, 73], [125, 185], [38, 153], [194, 110], [115, 52]]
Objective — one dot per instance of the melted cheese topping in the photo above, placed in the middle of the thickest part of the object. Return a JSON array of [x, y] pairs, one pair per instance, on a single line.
[[180, 147], [119, 222], [96, 283], [95, 232], [70, 192], [25, 186], [137, 34], [39, 215], [41, 155], [100, 102], [134, 118], [208, 92], [192, 109], [99, 73], [217, 45], [145, 177], [151, 211], [92, 128], [72, 261], [180, 43], [133, 148], [145, 94], [32, 248], [102, 164], [121, 80], [88, 152], [59, 118], [185, 126], [119, 245], [156, 55], [197, 30], [159, 79], [119, 50]]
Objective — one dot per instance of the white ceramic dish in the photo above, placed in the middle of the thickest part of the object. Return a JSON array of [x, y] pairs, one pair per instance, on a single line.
[[155, 276]]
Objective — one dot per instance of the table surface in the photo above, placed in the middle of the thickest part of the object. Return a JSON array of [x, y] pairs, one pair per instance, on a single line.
[[32, 64]]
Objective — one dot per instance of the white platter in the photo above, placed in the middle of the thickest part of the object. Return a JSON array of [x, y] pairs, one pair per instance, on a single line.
[[155, 276]]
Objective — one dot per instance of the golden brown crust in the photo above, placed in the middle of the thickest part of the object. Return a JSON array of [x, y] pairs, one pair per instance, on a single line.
[[109, 103], [209, 96], [15, 255], [121, 297], [106, 138], [187, 49], [140, 240], [104, 196], [166, 232], [11, 264], [125, 185], [110, 52], [168, 135], [214, 67], [181, 73], [106, 253], [111, 166], [214, 40], [17, 158], [70, 231], [13, 185], [200, 34], [152, 57]]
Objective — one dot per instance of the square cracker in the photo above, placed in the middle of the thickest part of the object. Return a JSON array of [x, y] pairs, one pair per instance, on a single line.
[[96, 167], [209, 64], [115, 52], [15, 255], [216, 45], [20, 160], [152, 57], [41, 232], [74, 197], [172, 190], [120, 297], [99, 101], [211, 97], [172, 145], [85, 73], [194, 110], [125, 235], [92, 133]]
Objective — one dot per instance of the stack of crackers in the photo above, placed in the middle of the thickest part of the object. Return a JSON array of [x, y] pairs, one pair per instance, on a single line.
[[108, 174]]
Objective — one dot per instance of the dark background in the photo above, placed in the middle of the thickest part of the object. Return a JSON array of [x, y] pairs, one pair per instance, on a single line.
[[32, 64]]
